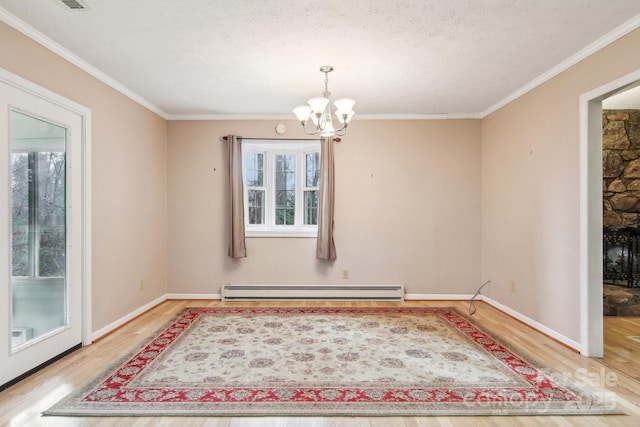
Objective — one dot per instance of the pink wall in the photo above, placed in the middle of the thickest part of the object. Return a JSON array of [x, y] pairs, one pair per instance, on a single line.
[[531, 190], [129, 179], [407, 209]]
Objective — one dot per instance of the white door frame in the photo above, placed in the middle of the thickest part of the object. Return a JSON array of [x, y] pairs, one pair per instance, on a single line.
[[85, 114], [591, 321]]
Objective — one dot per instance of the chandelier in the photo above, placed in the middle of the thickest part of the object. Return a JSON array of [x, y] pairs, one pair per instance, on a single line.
[[316, 118]]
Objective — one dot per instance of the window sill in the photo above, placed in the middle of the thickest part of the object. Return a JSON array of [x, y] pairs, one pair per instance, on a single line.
[[282, 233]]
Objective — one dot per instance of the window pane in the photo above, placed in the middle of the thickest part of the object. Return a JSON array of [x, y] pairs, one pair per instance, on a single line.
[[285, 172], [313, 169], [285, 216], [256, 207], [255, 169], [285, 199], [251, 178], [51, 214], [290, 181], [311, 207], [286, 163], [285, 189], [20, 213]]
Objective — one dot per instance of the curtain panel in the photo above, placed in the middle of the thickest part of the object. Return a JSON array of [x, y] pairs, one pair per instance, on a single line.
[[237, 246], [326, 248]]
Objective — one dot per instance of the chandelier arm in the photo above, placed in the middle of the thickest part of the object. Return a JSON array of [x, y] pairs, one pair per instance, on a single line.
[[342, 130], [307, 131]]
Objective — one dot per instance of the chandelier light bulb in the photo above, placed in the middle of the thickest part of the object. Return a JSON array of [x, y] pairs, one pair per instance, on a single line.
[[344, 105], [345, 118], [302, 112], [318, 104], [344, 109]]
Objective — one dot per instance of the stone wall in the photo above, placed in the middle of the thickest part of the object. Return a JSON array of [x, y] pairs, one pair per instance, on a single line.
[[621, 168]]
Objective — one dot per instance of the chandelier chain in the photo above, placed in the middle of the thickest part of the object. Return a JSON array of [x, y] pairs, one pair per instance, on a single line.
[[326, 92]]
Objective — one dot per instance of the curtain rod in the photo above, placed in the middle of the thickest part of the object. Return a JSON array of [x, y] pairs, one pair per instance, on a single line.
[[283, 139]]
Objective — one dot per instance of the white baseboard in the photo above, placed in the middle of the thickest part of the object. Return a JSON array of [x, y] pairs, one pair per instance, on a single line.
[[438, 297], [194, 296], [534, 324], [114, 325]]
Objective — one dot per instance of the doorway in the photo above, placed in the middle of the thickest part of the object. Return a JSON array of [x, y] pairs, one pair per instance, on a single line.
[[621, 229], [621, 202], [591, 232], [45, 233]]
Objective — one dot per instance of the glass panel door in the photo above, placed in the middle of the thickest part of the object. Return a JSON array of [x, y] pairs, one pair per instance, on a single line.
[[44, 258], [38, 227]]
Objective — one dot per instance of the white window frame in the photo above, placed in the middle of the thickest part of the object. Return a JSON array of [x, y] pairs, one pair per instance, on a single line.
[[270, 150]]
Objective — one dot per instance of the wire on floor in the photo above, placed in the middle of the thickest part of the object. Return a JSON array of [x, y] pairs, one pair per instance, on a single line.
[[472, 306]]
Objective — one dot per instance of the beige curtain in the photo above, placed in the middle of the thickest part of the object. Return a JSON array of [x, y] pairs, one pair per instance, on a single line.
[[237, 248], [326, 248]]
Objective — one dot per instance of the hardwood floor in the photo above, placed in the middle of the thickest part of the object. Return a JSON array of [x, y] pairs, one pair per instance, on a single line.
[[620, 352], [22, 404]]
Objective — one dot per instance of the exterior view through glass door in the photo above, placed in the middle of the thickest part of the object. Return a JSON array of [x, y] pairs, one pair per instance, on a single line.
[[38, 228], [43, 228]]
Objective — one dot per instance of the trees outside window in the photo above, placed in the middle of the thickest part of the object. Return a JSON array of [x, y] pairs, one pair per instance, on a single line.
[[38, 213]]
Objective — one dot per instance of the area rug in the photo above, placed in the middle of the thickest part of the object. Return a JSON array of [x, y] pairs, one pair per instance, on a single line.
[[327, 362]]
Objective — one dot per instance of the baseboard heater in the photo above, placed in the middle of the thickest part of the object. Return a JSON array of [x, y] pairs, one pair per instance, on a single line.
[[233, 292]]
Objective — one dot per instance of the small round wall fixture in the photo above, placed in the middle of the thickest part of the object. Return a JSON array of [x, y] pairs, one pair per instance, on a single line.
[[281, 128]]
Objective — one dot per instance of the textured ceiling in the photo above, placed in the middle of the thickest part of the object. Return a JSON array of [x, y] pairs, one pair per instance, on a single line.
[[629, 99], [261, 57]]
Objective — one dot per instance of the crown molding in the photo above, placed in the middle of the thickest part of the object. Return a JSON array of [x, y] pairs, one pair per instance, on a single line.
[[358, 117], [54, 47], [431, 116], [238, 117], [594, 47]]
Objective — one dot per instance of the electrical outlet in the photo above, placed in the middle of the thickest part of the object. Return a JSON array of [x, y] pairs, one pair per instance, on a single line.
[[513, 286], [345, 274], [141, 284]]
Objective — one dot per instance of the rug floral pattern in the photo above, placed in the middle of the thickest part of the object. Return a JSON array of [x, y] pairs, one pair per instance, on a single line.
[[326, 361]]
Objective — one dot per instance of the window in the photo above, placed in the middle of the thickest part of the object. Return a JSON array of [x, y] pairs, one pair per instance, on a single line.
[[281, 188], [38, 206]]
